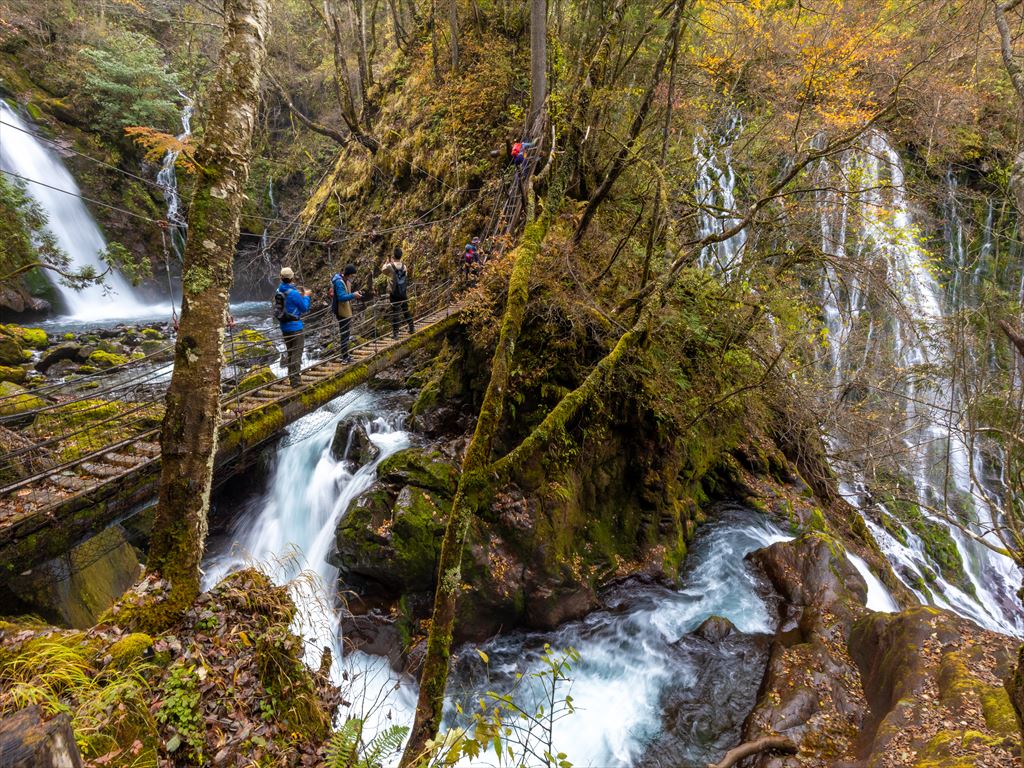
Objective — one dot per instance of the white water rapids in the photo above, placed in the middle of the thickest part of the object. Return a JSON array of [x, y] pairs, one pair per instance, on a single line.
[[69, 221], [626, 649]]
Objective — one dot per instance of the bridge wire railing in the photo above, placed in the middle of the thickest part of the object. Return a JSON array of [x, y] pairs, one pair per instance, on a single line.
[[75, 426]]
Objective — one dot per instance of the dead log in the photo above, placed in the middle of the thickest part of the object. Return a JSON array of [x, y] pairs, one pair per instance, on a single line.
[[28, 742], [765, 744]]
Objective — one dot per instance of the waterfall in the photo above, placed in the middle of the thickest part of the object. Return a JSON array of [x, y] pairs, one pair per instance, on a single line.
[[631, 651], [944, 473], [68, 220], [715, 193], [167, 179], [289, 532]]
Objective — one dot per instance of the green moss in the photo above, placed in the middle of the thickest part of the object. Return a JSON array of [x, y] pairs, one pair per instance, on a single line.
[[130, 648], [79, 413], [11, 352], [34, 338], [420, 468], [15, 399], [102, 359], [152, 334], [13, 374], [253, 380]]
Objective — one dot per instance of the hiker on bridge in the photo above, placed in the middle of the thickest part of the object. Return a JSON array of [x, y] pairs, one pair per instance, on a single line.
[[290, 304], [398, 292], [341, 304]]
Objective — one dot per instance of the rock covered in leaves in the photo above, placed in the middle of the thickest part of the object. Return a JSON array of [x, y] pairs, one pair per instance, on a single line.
[[227, 686], [922, 688]]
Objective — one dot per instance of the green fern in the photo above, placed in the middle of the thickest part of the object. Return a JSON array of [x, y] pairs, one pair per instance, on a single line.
[[343, 750], [384, 743], [344, 745]]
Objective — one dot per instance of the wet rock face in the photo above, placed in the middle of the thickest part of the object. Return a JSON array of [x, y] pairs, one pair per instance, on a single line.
[[352, 441], [812, 691], [703, 718], [936, 684]]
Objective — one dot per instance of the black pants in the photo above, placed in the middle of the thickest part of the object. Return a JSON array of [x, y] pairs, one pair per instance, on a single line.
[[399, 312], [294, 341], [345, 329]]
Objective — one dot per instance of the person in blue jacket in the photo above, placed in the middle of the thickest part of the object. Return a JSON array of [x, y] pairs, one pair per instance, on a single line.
[[290, 304], [342, 295]]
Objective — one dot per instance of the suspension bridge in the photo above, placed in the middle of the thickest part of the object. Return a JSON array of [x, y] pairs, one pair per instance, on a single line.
[[89, 454]]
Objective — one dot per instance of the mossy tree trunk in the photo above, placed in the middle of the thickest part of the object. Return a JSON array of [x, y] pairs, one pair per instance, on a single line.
[[434, 676], [188, 439]]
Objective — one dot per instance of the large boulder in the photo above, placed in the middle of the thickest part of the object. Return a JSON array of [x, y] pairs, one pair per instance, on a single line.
[[67, 350], [812, 691], [935, 683], [422, 468], [704, 717], [15, 400], [392, 541], [11, 352], [352, 441], [31, 338]]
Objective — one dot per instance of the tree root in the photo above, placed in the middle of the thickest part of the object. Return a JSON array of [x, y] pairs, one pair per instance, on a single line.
[[773, 743]]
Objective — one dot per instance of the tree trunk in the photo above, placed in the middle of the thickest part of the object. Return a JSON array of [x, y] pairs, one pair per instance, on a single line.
[[1013, 69], [472, 481], [538, 59], [188, 440], [453, 23]]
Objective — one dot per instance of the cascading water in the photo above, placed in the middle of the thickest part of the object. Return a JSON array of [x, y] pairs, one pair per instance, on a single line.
[[290, 532], [167, 179], [940, 465], [715, 192], [70, 222], [636, 651]]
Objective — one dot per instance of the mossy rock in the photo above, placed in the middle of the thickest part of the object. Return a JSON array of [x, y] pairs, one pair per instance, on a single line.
[[254, 379], [78, 414], [421, 468], [396, 545], [15, 374], [33, 338], [104, 360], [129, 649], [152, 334], [249, 346], [11, 352], [159, 350], [15, 399]]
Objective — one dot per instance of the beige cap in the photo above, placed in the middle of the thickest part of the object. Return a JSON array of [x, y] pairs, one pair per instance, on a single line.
[[287, 274]]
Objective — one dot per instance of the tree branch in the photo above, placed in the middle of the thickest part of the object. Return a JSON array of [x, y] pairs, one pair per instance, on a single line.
[[773, 743], [306, 121]]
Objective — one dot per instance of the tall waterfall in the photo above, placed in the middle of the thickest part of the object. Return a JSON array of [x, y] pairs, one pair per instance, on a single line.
[[167, 179], [715, 192], [943, 474], [50, 184]]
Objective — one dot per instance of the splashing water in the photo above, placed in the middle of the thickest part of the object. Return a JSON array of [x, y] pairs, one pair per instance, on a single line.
[[68, 220], [290, 532], [627, 656]]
